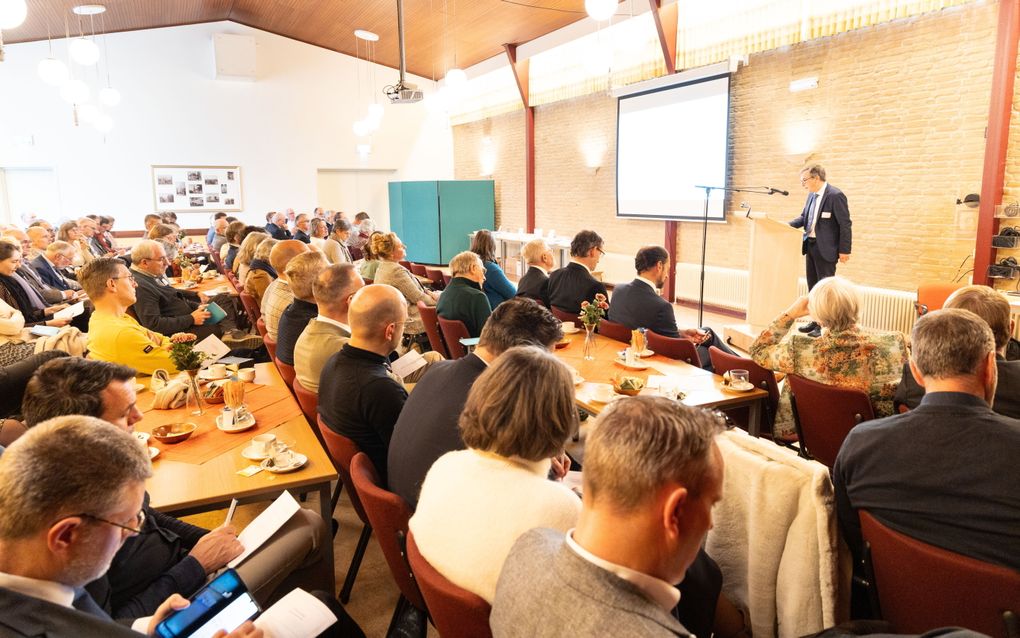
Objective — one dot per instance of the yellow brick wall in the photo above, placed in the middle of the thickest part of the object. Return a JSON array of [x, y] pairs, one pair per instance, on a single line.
[[898, 121]]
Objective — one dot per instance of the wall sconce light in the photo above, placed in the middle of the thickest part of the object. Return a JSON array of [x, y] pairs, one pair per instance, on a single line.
[[593, 151], [487, 157], [804, 84]]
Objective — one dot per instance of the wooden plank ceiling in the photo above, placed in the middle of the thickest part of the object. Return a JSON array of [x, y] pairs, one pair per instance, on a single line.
[[435, 30]]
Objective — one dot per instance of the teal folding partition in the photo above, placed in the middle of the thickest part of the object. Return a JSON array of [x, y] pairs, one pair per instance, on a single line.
[[434, 219]]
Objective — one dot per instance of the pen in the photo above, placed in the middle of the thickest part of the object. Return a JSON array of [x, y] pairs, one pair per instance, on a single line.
[[230, 512]]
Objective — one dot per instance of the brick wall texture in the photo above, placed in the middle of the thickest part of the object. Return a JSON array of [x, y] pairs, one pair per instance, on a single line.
[[897, 120]]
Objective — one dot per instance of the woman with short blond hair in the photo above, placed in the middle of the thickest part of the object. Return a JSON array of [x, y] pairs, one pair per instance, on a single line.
[[390, 250]]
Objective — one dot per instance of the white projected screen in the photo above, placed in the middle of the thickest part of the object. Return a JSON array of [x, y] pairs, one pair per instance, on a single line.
[[668, 142]]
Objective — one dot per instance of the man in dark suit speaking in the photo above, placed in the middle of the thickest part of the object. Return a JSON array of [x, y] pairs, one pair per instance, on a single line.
[[827, 236], [638, 305]]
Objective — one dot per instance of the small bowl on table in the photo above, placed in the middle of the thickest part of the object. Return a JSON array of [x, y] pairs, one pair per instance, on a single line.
[[173, 432], [629, 386]]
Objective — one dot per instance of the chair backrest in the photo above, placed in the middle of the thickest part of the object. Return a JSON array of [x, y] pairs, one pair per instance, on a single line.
[[286, 371], [251, 307], [418, 269], [405, 263], [436, 276], [759, 376], [563, 315], [456, 612], [447, 279], [270, 343], [308, 400], [932, 295], [343, 450], [825, 414], [431, 321], [368, 282], [674, 348], [614, 330], [921, 586], [388, 514], [453, 331]]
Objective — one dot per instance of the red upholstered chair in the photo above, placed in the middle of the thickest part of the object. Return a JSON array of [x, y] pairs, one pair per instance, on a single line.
[[431, 321], [308, 400], [614, 330], [388, 514], [260, 325], [759, 376], [921, 587], [436, 276], [270, 344], [251, 307], [824, 415], [368, 282], [931, 296], [453, 331], [418, 269], [563, 315], [456, 612], [343, 450], [675, 348], [405, 263], [286, 371], [447, 279]]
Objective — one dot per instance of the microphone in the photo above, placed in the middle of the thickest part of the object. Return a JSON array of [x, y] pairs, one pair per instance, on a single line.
[[773, 191]]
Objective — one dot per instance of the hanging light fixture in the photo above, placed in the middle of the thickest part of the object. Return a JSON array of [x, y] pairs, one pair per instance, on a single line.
[[108, 96], [600, 10], [456, 78], [84, 51], [12, 13], [52, 71], [75, 92]]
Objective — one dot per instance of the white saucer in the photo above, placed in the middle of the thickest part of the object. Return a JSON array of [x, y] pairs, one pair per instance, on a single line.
[[239, 426], [636, 366], [616, 397], [252, 455], [743, 388], [646, 353], [571, 331], [299, 462], [208, 375], [153, 452]]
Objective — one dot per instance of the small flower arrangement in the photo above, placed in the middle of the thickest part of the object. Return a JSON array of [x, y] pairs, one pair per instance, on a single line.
[[182, 351], [592, 312]]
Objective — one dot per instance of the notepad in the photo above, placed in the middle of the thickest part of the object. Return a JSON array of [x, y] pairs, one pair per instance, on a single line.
[[265, 525], [407, 364], [70, 312], [296, 615]]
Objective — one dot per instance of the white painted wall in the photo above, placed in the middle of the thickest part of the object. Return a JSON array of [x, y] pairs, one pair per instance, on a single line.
[[293, 120]]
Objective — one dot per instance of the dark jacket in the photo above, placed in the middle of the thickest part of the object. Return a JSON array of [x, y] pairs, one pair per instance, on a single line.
[[277, 232], [49, 294], [636, 305], [358, 399], [572, 284], [463, 300], [535, 285], [26, 616], [162, 308], [1007, 392], [49, 274], [293, 321], [301, 235], [427, 427], [832, 228]]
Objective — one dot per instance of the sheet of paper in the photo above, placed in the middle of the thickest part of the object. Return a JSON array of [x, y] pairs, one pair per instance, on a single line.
[[408, 363], [71, 311], [654, 381], [296, 615], [229, 361], [573, 480], [213, 347], [265, 525]]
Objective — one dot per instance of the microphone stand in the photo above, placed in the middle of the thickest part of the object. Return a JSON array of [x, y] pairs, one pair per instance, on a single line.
[[761, 190]]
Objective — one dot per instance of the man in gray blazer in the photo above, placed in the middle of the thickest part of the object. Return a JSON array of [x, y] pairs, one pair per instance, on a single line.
[[652, 472]]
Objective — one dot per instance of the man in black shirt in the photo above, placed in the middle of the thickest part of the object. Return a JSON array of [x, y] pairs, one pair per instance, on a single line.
[[359, 396], [427, 428], [301, 274], [574, 283]]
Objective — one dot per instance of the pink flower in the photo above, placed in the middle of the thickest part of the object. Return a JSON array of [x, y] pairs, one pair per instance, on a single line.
[[584, 304], [600, 297], [603, 305]]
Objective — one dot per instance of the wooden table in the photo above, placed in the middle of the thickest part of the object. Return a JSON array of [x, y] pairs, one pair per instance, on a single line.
[[701, 387], [219, 281], [186, 488]]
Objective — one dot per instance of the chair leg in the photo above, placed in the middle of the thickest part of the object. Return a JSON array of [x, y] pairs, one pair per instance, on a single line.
[[352, 571], [397, 613]]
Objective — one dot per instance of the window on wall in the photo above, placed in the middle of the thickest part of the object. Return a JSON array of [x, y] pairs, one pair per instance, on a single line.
[[27, 194]]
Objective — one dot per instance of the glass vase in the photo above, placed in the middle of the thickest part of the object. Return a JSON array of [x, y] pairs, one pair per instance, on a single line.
[[194, 405], [589, 342]]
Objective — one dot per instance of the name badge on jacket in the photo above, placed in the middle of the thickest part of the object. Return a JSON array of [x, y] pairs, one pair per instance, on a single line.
[[826, 215]]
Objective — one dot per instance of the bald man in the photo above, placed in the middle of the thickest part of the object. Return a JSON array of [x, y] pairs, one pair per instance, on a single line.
[[359, 397], [278, 294], [39, 239]]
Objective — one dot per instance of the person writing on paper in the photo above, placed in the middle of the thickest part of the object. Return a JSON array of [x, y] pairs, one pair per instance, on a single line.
[[827, 235], [71, 494], [171, 556]]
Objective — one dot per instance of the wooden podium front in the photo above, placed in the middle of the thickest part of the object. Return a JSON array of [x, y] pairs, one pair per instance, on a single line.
[[775, 265]]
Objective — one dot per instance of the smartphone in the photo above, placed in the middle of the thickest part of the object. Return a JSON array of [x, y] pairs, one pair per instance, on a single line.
[[222, 604]]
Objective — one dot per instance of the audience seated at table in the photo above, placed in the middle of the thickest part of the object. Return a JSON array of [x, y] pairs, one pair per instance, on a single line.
[[359, 396], [278, 294], [574, 283], [993, 307], [318, 231], [327, 333], [49, 265], [301, 223], [164, 232], [49, 294], [19, 293], [90, 249], [38, 239], [390, 250], [242, 263], [427, 426], [335, 245], [302, 272], [105, 235], [474, 503], [945, 472], [113, 334], [276, 226], [228, 252], [164, 309], [69, 233], [535, 282], [496, 287], [369, 261], [214, 237], [652, 473], [844, 355], [151, 220], [638, 305], [169, 556], [260, 272], [462, 299], [361, 233]]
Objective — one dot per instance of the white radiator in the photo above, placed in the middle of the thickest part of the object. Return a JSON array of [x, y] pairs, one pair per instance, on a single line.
[[881, 308]]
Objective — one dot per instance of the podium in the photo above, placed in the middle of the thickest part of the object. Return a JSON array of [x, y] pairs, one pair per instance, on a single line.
[[775, 266]]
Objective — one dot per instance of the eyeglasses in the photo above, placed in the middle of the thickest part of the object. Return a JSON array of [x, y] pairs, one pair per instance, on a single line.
[[139, 521], [805, 180], [599, 248]]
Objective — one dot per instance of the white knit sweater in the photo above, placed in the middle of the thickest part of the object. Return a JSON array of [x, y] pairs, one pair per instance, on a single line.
[[474, 505]]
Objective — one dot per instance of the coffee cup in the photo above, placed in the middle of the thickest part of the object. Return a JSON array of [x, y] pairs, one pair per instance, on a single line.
[[739, 379], [282, 457], [264, 444], [246, 374], [603, 392], [142, 438], [218, 370]]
